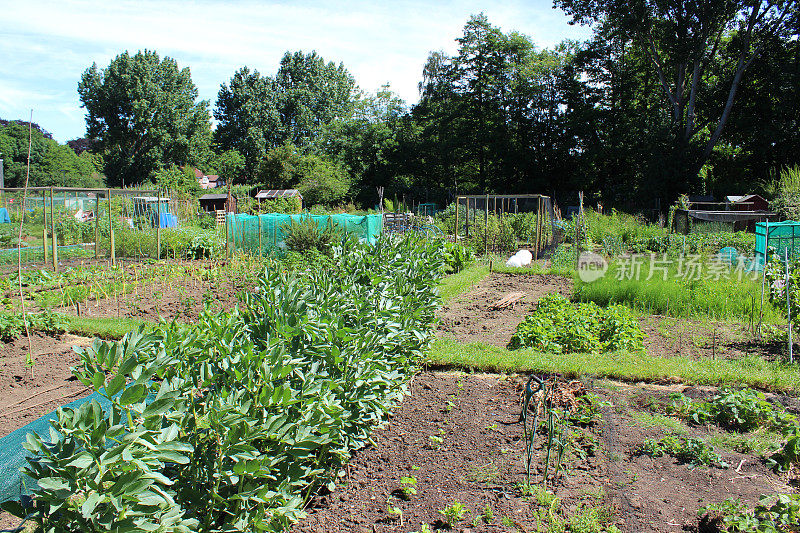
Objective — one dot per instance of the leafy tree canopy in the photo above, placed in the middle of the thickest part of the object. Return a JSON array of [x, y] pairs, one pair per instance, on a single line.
[[52, 164], [144, 113], [257, 113]]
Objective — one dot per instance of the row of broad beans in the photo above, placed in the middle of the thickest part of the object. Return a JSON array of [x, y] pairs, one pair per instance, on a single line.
[[229, 424]]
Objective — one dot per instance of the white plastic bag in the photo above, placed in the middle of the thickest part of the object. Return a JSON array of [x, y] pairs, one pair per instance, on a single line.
[[520, 259]]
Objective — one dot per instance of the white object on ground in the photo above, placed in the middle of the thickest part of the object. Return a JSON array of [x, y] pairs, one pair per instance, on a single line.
[[520, 259]]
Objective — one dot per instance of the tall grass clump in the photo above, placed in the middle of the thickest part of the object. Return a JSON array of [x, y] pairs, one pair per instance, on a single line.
[[724, 299]]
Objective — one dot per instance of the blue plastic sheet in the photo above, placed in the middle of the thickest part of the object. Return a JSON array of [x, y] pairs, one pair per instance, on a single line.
[[4, 218], [168, 220]]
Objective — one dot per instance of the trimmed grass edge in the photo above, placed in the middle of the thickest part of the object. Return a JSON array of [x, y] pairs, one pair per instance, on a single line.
[[625, 366]]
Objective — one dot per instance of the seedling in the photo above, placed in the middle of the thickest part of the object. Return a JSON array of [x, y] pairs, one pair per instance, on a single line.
[[408, 486], [394, 511], [488, 515], [453, 514]]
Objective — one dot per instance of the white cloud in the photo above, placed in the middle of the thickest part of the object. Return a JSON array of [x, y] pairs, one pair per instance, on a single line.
[[46, 45]]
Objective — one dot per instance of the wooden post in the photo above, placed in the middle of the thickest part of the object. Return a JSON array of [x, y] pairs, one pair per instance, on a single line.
[[112, 252], [227, 238], [260, 248], [158, 225], [53, 233], [44, 242], [96, 225], [486, 227], [455, 234]]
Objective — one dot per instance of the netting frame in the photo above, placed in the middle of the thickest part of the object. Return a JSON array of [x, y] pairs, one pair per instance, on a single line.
[[544, 211], [768, 232]]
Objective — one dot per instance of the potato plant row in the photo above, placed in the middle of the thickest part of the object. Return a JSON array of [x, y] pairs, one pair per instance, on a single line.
[[230, 424]]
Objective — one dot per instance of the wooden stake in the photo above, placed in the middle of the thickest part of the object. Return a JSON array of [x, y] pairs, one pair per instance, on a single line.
[[53, 233], [30, 359]]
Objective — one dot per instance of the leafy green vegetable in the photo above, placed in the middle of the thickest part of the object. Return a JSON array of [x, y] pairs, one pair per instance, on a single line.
[[228, 423], [562, 327]]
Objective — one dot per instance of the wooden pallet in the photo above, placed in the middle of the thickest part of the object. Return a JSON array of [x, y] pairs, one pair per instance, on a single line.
[[509, 300]]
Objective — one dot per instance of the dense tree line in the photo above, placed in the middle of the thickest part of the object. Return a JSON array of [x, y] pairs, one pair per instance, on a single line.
[[52, 164], [667, 97]]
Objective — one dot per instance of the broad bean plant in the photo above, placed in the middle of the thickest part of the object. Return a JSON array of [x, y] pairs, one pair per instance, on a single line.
[[231, 423]]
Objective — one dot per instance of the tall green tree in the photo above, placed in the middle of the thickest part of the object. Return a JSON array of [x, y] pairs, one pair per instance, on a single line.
[[312, 93], [52, 164], [248, 117], [493, 117], [257, 113], [683, 41], [145, 115], [365, 142]]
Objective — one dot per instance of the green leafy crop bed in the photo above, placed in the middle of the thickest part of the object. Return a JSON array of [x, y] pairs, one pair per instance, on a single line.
[[230, 423], [562, 327]]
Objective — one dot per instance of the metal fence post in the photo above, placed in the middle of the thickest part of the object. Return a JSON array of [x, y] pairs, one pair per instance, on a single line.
[[113, 252], [788, 304], [455, 234], [158, 225]]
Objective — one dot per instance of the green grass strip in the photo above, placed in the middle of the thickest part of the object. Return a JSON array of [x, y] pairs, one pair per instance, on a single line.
[[105, 328], [454, 284], [750, 371]]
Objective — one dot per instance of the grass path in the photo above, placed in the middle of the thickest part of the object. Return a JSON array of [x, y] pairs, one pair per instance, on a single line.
[[750, 371]]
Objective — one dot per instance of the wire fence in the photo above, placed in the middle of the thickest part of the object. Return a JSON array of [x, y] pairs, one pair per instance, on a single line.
[[63, 224]]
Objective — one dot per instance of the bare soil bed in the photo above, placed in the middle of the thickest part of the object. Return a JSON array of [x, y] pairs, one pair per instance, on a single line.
[[480, 461], [171, 301], [471, 316], [27, 397]]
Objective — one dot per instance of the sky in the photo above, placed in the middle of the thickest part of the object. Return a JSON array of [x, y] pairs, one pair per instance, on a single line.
[[46, 45]]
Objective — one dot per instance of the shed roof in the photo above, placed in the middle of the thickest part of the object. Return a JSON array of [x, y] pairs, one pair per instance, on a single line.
[[277, 193], [735, 199], [214, 197]]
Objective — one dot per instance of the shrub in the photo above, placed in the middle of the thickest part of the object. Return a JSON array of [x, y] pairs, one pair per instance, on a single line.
[[306, 234]]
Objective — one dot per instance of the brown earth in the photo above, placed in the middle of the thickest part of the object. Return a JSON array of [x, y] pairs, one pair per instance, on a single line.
[[481, 460], [31, 392], [471, 317], [173, 300], [28, 396]]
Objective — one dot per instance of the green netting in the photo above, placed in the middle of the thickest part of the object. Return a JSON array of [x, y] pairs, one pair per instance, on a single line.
[[259, 233], [14, 485], [780, 236]]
